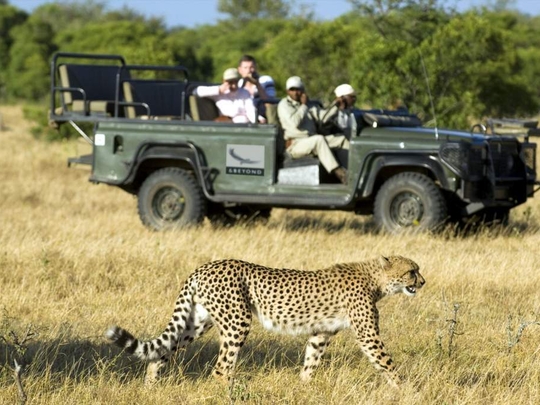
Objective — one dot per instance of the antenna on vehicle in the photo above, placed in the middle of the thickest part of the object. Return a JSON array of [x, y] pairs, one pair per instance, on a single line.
[[430, 97]]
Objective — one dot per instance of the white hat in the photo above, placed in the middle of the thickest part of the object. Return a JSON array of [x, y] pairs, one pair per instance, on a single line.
[[231, 74], [294, 82], [344, 90]]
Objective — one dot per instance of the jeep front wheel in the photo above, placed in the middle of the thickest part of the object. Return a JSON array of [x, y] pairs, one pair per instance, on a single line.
[[170, 198], [409, 201]]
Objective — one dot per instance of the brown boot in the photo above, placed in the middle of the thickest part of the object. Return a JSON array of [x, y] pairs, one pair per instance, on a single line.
[[341, 174]]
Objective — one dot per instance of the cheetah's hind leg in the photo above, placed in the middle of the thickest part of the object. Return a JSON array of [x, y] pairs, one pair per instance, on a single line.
[[315, 348], [197, 324]]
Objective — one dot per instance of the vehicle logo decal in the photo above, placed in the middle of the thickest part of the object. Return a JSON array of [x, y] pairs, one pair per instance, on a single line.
[[247, 160], [240, 158]]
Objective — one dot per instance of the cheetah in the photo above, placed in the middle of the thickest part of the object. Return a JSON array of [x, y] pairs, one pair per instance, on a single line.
[[228, 293]]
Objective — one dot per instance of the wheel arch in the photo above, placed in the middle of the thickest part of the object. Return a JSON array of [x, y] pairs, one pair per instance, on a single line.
[[384, 167], [157, 156]]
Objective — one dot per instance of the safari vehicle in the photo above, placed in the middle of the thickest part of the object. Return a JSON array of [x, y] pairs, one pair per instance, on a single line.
[[155, 140]]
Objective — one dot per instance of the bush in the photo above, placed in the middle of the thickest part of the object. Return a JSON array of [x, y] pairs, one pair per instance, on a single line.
[[38, 114]]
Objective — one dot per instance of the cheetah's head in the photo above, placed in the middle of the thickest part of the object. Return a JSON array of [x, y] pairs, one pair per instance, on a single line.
[[403, 276]]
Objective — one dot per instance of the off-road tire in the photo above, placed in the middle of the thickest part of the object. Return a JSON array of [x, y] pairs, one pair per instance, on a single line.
[[171, 198], [408, 202]]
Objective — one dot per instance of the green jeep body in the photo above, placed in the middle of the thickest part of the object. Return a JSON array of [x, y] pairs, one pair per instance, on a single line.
[[408, 176]]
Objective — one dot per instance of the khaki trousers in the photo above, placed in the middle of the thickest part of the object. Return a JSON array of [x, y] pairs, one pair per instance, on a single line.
[[320, 146]]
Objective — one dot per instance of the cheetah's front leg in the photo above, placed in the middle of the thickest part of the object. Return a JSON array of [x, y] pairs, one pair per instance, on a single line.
[[373, 348], [315, 348], [367, 335]]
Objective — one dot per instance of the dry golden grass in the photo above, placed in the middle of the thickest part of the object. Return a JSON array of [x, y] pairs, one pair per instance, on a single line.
[[75, 259]]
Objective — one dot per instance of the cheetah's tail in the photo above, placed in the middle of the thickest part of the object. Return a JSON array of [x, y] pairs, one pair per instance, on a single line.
[[164, 344], [122, 338]]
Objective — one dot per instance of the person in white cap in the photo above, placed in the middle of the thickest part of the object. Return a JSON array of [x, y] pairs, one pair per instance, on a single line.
[[344, 102], [299, 123], [234, 103]]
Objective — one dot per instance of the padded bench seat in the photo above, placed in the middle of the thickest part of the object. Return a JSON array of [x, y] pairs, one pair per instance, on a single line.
[[153, 99], [87, 89]]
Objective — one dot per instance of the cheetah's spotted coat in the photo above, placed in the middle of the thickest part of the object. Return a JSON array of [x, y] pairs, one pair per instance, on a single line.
[[228, 293]]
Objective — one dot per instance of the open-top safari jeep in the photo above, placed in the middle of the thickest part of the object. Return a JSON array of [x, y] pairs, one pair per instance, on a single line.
[[151, 137]]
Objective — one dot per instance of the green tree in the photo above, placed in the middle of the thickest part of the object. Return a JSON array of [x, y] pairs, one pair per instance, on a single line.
[[10, 17], [137, 41], [471, 66], [69, 15], [208, 50], [28, 69], [246, 10], [411, 20], [320, 53]]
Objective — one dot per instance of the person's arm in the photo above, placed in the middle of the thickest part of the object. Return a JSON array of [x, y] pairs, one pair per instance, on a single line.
[[261, 91], [207, 91], [269, 86], [265, 86], [291, 117], [328, 114], [251, 111]]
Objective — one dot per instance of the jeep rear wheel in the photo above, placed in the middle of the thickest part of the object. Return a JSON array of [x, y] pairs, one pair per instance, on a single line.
[[409, 202], [170, 198]]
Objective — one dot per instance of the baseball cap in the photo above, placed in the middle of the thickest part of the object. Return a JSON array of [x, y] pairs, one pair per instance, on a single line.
[[294, 82], [344, 90], [231, 74]]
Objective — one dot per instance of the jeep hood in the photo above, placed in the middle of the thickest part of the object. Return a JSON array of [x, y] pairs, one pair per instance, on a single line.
[[433, 134]]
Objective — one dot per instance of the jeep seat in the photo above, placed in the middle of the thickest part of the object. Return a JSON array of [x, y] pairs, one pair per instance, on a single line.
[[155, 99], [87, 89], [203, 108]]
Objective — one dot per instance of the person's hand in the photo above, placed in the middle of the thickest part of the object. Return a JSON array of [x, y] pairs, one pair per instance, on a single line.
[[304, 98], [250, 79], [340, 103], [224, 88]]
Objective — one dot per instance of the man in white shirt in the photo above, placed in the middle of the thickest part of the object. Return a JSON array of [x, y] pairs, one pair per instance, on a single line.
[[345, 99], [235, 104], [299, 123]]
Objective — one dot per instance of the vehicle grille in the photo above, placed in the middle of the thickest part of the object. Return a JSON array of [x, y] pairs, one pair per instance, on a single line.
[[505, 158], [476, 163], [467, 160]]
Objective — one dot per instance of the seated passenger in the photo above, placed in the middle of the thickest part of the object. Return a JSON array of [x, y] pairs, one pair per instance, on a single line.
[[260, 87], [299, 123], [235, 104], [339, 113]]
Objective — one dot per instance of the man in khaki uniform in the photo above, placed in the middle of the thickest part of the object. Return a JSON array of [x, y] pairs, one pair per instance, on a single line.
[[299, 123]]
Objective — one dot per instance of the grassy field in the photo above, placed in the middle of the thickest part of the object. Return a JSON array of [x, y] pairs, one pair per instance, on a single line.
[[75, 259]]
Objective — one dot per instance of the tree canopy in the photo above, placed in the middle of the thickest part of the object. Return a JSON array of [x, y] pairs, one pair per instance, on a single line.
[[477, 63]]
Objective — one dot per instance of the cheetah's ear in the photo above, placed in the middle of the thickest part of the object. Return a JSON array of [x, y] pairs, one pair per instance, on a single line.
[[384, 261]]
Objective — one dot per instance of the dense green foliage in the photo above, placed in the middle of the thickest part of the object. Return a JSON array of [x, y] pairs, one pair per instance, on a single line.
[[478, 63]]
